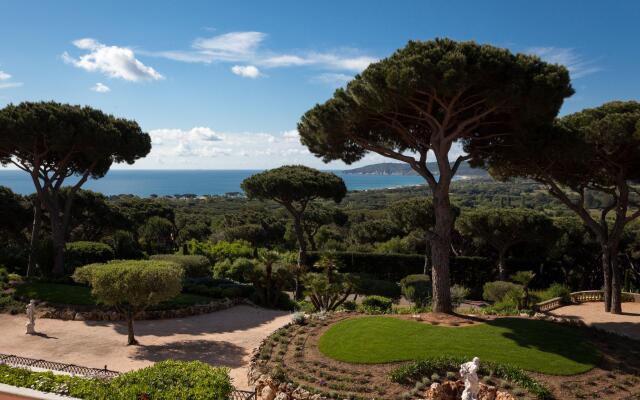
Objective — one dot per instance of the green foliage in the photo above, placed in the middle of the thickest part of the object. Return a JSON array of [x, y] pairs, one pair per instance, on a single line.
[[84, 253], [412, 372], [327, 292], [156, 235], [557, 290], [221, 250], [56, 293], [376, 305], [124, 245], [368, 285], [496, 291], [194, 266], [237, 269], [417, 288], [163, 381], [396, 245], [270, 278], [376, 230], [459, 293], [218, 288]]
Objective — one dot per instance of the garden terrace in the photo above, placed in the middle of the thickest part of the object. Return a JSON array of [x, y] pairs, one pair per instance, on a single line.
[[345, 355]]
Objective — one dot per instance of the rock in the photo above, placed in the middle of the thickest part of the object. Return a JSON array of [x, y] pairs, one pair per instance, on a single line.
[[78, 317], [281, 396], [504, 396], [445, 391], [267, 393], [486, 392]]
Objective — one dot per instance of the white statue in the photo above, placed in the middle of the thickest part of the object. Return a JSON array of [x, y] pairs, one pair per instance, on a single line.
[[31, 315], [469, 373]]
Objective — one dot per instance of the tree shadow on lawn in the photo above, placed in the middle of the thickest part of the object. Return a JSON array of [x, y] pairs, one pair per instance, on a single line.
[[218, 353], [577, 343], [239, 318]]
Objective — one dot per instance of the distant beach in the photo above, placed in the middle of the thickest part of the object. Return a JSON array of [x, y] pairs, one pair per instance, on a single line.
[[145, 183]]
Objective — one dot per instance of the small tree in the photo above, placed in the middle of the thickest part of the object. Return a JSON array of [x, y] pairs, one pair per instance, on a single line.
[[269, 277], [327, 290], [295, 187], [52, 142], [132, 286], [426, 97], [524, 278], [156, 235], [503, 228]]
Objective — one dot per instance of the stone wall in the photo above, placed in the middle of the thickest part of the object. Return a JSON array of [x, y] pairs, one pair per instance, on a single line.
[[99, 314]]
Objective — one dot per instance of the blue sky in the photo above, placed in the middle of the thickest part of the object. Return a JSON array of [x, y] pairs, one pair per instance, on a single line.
[[222, 84]]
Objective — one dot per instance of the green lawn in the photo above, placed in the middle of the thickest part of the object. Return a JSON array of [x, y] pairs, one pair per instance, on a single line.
[[60, 293], [529, 344]]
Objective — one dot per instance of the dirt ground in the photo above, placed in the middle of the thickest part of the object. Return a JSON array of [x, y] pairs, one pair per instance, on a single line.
[[222, 338], [593, 314]]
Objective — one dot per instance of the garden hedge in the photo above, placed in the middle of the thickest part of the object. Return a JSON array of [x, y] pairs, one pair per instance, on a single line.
[[194, 266], [466, 271]]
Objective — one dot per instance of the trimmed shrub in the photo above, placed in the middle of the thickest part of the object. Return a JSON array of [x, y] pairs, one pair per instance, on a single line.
[[164, 380], [219, 251], [194, 266], [78, 254], [496, 291], [417, 288], [376, 305], [217, 288]]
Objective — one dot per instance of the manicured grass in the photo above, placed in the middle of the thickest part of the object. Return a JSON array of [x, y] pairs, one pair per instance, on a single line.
[[60, 293], [528, 344]]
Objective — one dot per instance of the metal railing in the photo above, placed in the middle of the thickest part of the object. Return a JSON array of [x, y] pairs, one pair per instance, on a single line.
[[25, 362]]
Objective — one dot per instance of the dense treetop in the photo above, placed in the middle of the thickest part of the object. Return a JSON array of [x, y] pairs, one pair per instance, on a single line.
[[294, 183], [461, 88]]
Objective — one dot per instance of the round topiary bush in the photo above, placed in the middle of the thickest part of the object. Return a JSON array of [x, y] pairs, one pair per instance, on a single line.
[[496, 291], [376, 305], [194, 266]]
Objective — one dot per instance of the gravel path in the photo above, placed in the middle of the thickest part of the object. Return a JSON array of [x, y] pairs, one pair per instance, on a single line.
[[592, 313], [221, 338]]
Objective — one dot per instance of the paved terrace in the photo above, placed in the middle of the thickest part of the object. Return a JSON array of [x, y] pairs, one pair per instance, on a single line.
[[221, 338]]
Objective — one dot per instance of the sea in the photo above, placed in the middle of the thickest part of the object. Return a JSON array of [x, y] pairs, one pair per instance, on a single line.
[[145, 183]]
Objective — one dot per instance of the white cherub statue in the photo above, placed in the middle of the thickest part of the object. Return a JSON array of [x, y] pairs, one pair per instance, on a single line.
[[469, 372], [31, 316]]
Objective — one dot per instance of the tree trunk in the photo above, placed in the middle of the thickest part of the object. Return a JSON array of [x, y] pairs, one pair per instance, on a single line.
[[57, 236], [131, 340], [302, 255], [606, 276], [35, 236], [616, 289], [502, 270], [440, 248], [425, 269]]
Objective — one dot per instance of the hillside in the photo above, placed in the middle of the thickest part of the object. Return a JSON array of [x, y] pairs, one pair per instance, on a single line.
[[405, 169]]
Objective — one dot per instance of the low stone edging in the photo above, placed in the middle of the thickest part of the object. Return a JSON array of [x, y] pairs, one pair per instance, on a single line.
[[73, 314], [582, 297]]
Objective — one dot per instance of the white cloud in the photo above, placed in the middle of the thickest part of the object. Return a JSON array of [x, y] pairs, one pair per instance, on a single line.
[[113, 61], [101, 88], [332, 79], [5, 83], [575, 63], [246, 71], [8, 85], [246, 47]]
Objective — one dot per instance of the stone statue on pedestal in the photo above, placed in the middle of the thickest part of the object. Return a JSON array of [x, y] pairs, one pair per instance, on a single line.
[[31, 316], [469, 373]]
